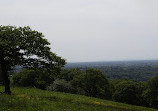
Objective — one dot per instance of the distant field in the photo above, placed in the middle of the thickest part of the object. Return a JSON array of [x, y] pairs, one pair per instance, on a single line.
[[31, 99]]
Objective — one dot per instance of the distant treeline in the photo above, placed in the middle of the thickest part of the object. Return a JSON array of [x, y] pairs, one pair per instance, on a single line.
[[135, 70], [137, 73]]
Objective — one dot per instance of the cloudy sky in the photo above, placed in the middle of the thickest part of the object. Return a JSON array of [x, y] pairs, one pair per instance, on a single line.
[[90, 30]]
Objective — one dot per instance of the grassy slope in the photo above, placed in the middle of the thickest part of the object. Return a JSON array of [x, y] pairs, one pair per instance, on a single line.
[[31, 99]]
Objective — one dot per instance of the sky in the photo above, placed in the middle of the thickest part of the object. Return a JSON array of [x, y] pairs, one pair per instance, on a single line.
[[90, 30]]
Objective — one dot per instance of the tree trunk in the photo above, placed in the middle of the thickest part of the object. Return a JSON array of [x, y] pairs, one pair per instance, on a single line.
[[5, 78]]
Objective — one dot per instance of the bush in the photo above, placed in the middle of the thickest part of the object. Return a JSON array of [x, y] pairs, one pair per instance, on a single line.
[[61, 85], [33, 78], [25, 78]]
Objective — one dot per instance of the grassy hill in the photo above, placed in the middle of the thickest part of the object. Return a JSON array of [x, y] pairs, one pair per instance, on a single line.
[[31, 99]]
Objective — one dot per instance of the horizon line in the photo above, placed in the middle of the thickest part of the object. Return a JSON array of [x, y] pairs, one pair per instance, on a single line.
[[114, 61]]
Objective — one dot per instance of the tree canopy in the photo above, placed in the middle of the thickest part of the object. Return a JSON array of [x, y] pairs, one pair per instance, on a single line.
[[129, 92], [94, 83], [152, 92], [26, 47]]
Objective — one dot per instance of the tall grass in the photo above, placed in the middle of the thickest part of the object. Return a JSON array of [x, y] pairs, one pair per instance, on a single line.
[[31, 99]]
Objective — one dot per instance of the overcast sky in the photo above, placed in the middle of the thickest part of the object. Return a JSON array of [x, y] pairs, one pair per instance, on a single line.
[[90, 30]]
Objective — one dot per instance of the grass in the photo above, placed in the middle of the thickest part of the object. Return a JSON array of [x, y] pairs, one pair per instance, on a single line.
[[31, 99]]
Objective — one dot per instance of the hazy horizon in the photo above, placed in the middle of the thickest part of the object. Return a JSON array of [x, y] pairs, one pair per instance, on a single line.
[[90, 30], [114, 61]]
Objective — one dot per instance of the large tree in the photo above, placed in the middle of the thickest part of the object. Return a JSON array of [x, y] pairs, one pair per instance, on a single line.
[[26, 47]]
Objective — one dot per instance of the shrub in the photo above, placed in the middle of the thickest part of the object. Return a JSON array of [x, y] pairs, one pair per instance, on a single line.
[[33, 78], [61, 85], [24, 78]]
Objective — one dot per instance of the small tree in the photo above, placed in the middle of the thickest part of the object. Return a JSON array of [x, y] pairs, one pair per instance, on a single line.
[[93, 83], [24, 46], [129, 92]]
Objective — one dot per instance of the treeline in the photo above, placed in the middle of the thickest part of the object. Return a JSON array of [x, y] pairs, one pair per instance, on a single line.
[[137, 73], [93, 83]]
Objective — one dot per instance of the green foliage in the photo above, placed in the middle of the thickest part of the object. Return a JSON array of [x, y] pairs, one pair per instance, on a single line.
[[61, 85], [137, 71], [0, 73], [25, 78], [130, 92], [31, 99], [152, 92], [69, 74], [33, 78], [63, 81], [19, 45], [27, 47], [93, 83], [0, 76]]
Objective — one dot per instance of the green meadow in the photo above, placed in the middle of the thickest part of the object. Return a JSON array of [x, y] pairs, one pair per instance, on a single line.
[[32, 99]]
